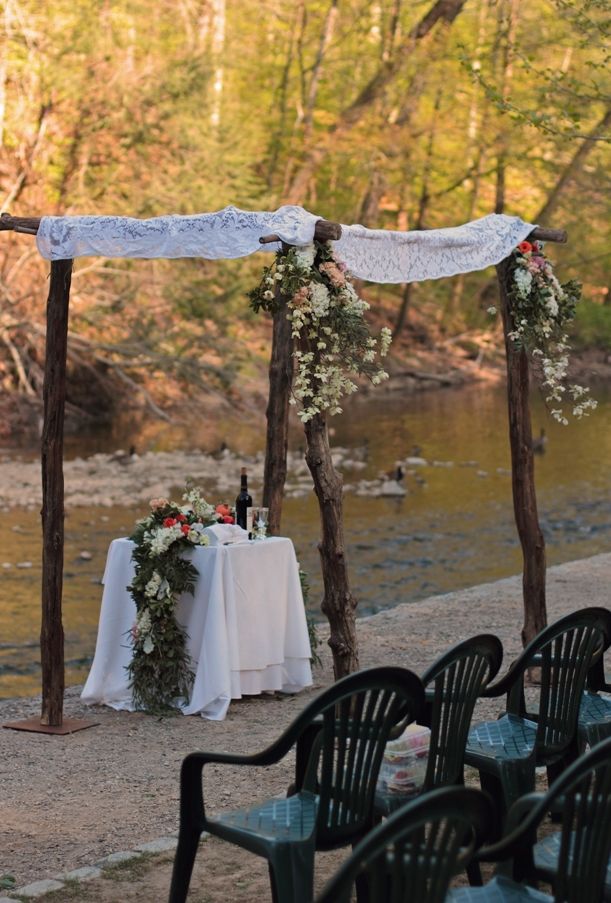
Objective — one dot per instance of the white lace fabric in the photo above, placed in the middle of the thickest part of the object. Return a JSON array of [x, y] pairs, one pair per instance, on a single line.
[[376, 255]]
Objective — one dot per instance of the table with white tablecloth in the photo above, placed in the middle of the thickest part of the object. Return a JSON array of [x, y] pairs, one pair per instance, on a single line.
[[245, 623]]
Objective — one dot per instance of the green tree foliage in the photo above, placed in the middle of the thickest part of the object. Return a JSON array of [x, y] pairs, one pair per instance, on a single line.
[[396, 114]]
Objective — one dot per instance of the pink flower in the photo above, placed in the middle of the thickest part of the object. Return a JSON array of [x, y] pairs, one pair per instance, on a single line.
[[300, 296], [158, 503], [135, 632], [335, 275]]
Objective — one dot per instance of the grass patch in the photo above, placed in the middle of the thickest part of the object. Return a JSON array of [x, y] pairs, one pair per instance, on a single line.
[[131, 868], [72, 890]]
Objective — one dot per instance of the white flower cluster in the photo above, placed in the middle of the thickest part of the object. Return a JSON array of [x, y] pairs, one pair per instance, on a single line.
[[160, 539], [198, 504], [540, 302], [323, 355], [158, 588], [144, 628], [197, 536]]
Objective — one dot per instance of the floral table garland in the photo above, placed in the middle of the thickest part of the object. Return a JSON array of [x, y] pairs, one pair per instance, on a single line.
[[541, 308], [327, 316], [160, 670]]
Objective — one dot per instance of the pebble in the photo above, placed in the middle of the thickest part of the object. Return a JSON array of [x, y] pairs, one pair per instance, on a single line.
[[24, 564], [86, 556]]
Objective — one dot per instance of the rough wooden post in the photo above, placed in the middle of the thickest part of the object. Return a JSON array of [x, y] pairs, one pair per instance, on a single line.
[[523, 472], [522, 459], [338, 604], [280, 381], [54, 397], [277, 413]]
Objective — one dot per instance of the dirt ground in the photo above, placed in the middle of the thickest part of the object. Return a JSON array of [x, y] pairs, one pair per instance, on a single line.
[[68, 802]]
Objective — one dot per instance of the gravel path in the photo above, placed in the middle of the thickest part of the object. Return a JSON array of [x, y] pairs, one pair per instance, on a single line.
[[67, 802]]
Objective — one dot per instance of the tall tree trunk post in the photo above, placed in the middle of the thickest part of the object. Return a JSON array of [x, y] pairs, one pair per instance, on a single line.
[[280, 382], [522, 459], [523, 472], [338, 604], [54, 398], [277, 413]]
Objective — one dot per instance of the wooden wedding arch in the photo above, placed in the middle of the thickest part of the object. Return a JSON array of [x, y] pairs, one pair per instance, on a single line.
[[338, 603]]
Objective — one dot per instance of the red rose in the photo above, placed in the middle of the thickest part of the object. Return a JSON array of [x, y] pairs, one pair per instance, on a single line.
[[525, 247], [169, 521], [227, 519], [185, 529], [182, 518]]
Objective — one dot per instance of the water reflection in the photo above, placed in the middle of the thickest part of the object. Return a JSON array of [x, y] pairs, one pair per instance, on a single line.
[[454, 528]]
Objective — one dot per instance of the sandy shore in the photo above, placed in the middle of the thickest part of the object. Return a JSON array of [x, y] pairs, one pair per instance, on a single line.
[[66, 802]]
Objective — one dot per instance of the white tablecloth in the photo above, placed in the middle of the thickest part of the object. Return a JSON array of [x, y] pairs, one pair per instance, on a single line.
[[246, 626]]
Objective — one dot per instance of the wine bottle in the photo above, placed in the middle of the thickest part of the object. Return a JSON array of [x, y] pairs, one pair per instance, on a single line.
[[243, 504]]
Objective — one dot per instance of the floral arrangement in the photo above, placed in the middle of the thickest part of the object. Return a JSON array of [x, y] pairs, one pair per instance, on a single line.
[[160, 671], [541, 307], [332, 339]]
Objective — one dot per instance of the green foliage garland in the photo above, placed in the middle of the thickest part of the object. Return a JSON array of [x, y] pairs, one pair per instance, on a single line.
[[312, 631], [160, 671]]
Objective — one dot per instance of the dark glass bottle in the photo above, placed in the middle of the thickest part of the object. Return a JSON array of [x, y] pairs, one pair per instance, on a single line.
[[243, 504]]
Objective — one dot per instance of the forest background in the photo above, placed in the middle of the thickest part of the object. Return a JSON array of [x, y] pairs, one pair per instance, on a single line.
[[395, 114]]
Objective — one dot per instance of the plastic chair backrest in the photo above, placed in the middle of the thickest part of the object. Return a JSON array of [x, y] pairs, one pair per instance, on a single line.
[[582, 794], [358, 716], [415, 853], [564, 652], [585, 844], [457, 679]]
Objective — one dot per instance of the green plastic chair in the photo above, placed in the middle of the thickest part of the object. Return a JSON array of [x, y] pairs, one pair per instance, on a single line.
[[452, 686], [506, 752], [414, 854], [580, 868], [347, 728], [594, 723]]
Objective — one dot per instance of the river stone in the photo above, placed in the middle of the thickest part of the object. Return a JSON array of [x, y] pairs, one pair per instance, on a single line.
[[85, 873], [116, 858], [38, 888]]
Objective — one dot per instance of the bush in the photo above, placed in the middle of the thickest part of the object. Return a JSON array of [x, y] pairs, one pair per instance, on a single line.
[[592, 327]]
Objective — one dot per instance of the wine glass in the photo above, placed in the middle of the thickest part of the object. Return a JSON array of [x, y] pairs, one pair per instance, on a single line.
[[262, 522]]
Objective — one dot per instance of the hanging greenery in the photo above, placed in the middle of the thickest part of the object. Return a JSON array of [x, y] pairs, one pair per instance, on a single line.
[[332, 339], [541, 308], [160, 671]]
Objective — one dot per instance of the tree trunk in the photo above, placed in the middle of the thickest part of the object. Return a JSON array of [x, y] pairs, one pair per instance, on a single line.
[[277, 437], [522, 473], [323, 44], [423, 203], [54, 398], [441, 11], [338, 603], [574, 167]]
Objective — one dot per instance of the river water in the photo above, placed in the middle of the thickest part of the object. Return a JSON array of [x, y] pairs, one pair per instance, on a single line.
[[453, 528]]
